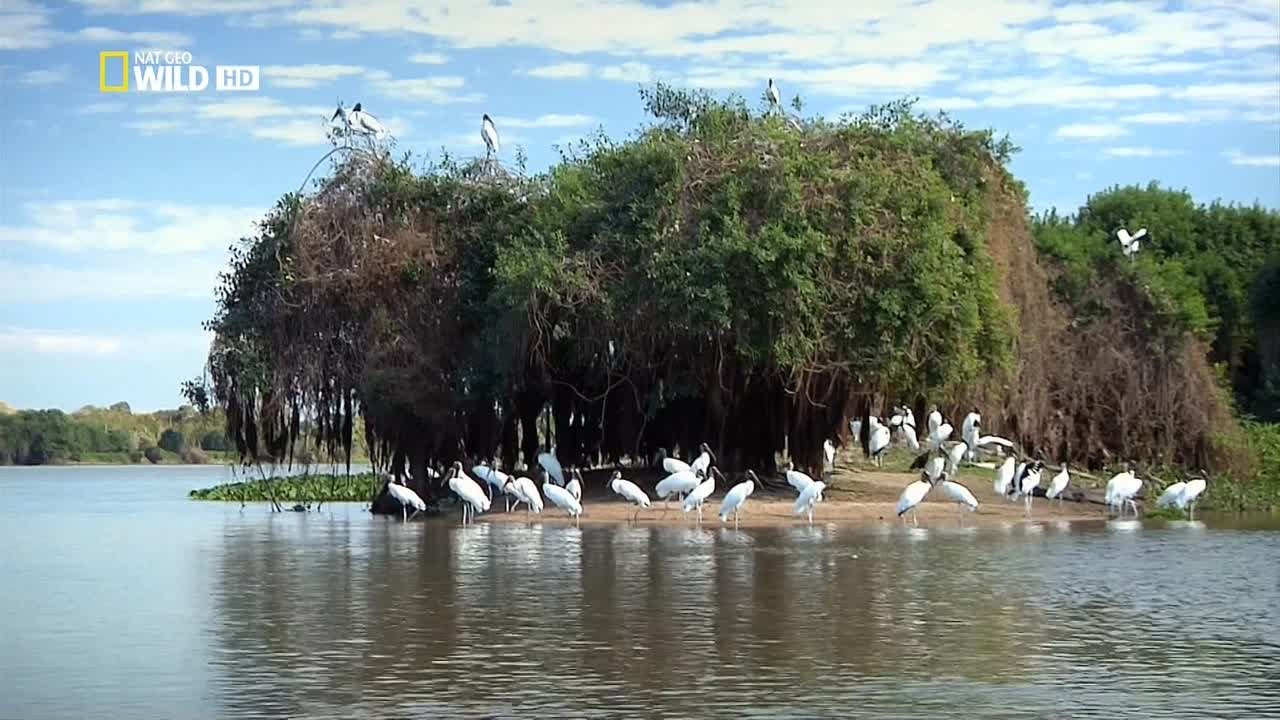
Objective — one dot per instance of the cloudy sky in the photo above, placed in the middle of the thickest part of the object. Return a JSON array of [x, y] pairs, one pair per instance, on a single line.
[[116, 209]]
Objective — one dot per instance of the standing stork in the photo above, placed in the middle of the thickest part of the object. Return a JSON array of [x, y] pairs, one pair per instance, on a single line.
[[699, 494], [525, 491], [473, 498], [809, 498], [1121, 489], [575, 484], [828, 457], [561, 498], [704, 461], [736, 498], [490, 135], [960, 495], [406, 497], [360, 122], [911, 497], [775, 97], [678, 484], [629, 492], [1058, 484]]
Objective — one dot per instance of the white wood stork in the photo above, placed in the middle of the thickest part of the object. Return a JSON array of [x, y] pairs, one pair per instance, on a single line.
[[699, 494], [960, 495], [525, 491], [828, 457], [490, 135], [671, 465], [493, 479], [473, 498], [360, 121], [970, 428], [629, 492], [934, 419], [1129, 244], [775, 97], [551, 464], [1183, 495], [1029, 481], [704, 461], [561, 498], [678, 484], [736, 498], [1004, 476], [797, 479], [1058, 484], [809, 498], [879, 441], [911, 497], [406, 497], [575, 484], [939, 435], [1191, 494], [1121, 489]]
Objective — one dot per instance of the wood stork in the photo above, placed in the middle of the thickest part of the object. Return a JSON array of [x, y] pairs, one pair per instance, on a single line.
[[490, 135], [960, 495], [699, 494], [879, 442], [677, 483], [970, 427], [775, 97], [704, 461], [1172, 495], [561, 498], [551, 464], [939, 435], [828, 457], [855, 428], [1129, 243], [1191, 494], [493, 479], [1058, 484], [360, 121], [473, 498], [809, 498], [1004, 476], [671, 465], [911, 497], [1183, 495], [908, 431], [736, 498], [934, 420], [575, 484], [934, 468], [1029, 481], [797, 479], [525, 491], [629, 492], [1017, 481], [406, 497], [1121, 489]]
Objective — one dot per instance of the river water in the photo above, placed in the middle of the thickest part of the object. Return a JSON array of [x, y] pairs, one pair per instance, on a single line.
[[122, 599]]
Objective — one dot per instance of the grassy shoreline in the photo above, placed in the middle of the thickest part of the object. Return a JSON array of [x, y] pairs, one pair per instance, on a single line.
[[317, 487]]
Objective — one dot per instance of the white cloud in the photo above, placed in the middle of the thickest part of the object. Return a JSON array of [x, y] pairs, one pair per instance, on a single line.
[[26, 25], [1058, 91], [306, 76], [145, 277], [1141, 152], [560, 71], [1180, 117], [94, 226], [180, 7], [948, 103], [168, 40], [441, 90], [1257, 93], [46, 77], [550, 120], [104, 107], [1090, 131], [1245, 160], [25, 340], [632, 72], [429, 58], [158, 127]]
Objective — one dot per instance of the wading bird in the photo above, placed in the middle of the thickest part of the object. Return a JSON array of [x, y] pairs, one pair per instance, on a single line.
[[490, 135], [1182, 495], [878, 443], [678, 484], [493, 479], [575, 484], [406, 497], [473, 498], [551, 464], [808, 500], [736, 498], [1121, 489], [1058, 484], [797, 479], [525, 491], [629, 492], [960, 495], [1129, 243], [671, 465], [699, 494], [1004, 476], [911, 497], [934, 420], [561, 498], [828, 457], [970, 427], [704, 461], [1029, 481], [775, 97], [939, 435]]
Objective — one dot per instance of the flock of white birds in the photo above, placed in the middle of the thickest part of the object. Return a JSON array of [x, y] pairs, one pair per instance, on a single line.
[[693, 483]]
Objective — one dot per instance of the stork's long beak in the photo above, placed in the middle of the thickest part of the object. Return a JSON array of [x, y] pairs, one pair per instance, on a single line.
[[336, 114]]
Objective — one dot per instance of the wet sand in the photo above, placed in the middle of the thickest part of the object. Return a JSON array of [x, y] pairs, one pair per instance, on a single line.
[[852, 498]]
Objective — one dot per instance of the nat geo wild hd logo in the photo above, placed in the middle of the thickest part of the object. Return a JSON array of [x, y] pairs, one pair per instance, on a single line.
[[169, 71]]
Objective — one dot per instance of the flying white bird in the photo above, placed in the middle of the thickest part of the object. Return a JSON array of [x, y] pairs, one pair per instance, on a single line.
[[360, 122], [1129, 243], [1058, 484], [1004, 476], [911, 497], [678, 484], [775, 97], [1121, 489], [473, 498], [960, 495], [704, 460], [575, 484], [406, 497], [828, 456], [809, 497], [797, 479], [629, 492], [736, 498], [699, 494], [525, 491], [551, 464], [490, 135], [562, 499]]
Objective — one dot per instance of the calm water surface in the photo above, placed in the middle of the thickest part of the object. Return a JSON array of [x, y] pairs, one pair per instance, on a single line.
[[120, 598]]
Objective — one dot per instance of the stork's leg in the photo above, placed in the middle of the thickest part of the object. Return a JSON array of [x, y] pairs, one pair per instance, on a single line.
[[404, 513]]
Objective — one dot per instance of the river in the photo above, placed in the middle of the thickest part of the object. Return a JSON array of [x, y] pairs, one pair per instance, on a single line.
[[123, 599]]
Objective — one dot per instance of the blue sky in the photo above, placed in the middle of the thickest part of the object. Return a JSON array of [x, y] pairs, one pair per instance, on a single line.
[[116, 209]]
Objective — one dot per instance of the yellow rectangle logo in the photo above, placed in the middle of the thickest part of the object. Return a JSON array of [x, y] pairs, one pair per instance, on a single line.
[[123, 57]]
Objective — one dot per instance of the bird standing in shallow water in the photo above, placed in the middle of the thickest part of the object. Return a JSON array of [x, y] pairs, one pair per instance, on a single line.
[[736, 498], [629, 492], [406, 497], [1058, 484]]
